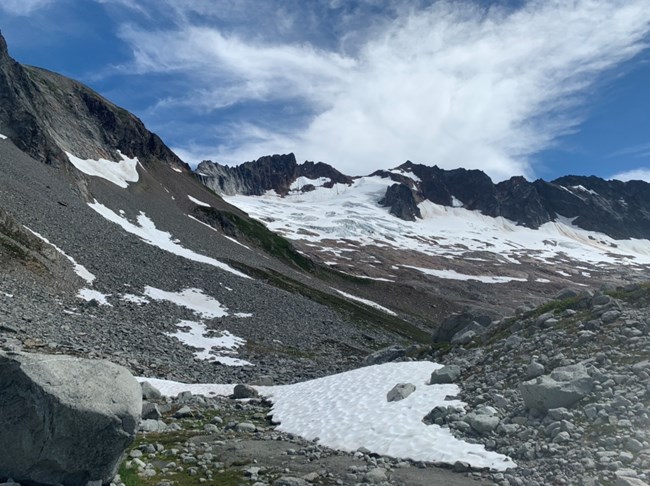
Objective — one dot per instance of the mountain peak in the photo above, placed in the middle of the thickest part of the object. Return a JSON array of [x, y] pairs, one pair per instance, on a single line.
[[4, 50]]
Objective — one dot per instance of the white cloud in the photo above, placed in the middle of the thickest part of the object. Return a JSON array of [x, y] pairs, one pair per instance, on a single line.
[[23, 7], [453, 84], [642, 174]]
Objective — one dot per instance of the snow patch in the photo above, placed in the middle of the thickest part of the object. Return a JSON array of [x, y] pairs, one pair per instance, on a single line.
[[349, 410], [456, 203], [196, 335], [147, 232], [405, 173], [119, 173], [3, 137], [90, 294], [454, 275], [194, 299], [79, 269], [135, 299], [177, 170], [200, 203], [302, 181], [367, 302]]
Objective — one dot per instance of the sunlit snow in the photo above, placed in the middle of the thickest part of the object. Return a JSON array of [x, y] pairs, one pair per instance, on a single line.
[[352, 213], [349, 410], [135, 299], [90, 294], [196, 335], [367, 302], [78, 268], [147, 231], [196, 201], [454, 275], [119, 173], [3, 137], [194, 299]]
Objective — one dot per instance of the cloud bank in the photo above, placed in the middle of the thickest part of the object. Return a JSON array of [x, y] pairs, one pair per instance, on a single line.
[[447, 83]]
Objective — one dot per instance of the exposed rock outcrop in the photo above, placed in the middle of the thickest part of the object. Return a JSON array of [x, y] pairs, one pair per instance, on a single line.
[[401, 201], [272, 172], [46, 114], [64, 420]]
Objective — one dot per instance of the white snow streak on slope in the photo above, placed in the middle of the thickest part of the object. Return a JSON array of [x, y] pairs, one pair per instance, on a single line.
[[89, 294], [119, 173], [196, 201], [352, 212], [195, 334], [453, 275], [78, 268], [367, 302], [216, 231], [193, 299], [3, 137], [406, 173], [302, 181], [349, 410], [147, 231]]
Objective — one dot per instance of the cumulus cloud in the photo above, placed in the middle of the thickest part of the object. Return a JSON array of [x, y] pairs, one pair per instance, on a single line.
[[642, 174], [450, 83], [23, 7]]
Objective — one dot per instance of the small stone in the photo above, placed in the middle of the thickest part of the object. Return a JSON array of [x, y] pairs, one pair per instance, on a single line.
[[400, 392], [184, 412], [376, 476], [245, 427]]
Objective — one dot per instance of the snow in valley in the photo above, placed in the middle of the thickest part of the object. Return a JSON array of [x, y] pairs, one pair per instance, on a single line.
[[352, 213], [350, 410]]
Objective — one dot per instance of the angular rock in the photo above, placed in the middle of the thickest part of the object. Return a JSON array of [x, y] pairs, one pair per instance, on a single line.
[[385, 355], [483, 424], [534, 370], [65, 420], [150, 392], [400, 392], [562, 388], [446, 374], [150, 411], [245, 391]]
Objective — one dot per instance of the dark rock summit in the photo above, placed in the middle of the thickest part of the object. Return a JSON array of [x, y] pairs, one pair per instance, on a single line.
[[618, 209], [46, 114], [272, 172]]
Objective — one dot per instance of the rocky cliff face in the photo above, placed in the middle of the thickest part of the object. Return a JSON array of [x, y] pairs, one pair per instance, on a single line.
[[618, 209], [46, 114], [272, 172]]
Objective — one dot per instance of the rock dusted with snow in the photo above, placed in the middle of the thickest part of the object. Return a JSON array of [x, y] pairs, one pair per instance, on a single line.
[[401, 201], [400, 392], [244, 391], [446, 374], [562, 388], [63, 419]]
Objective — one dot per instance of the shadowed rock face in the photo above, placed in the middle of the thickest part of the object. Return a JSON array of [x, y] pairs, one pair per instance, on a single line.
[[618, 209], [45, 114], [402, 202], [272, 172]]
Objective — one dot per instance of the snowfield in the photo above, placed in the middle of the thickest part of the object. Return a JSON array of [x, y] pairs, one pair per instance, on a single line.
[[352, 213], [350, 410], [119, 173]]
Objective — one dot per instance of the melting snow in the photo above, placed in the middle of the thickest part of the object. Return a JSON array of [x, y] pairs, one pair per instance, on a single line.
[[454, 275], [352, 213], [119, 173], [136, 299], [90, 294], [349, 410], [367, 302], [147, 231], [195, 334], [193, 299], [78, 268], [196, 201]]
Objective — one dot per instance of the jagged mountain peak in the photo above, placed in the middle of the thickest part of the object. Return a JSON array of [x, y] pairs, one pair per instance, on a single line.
[[279, 173], [46, 115]]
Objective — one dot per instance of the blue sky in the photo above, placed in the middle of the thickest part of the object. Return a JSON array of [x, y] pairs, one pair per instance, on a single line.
[[539, 88]]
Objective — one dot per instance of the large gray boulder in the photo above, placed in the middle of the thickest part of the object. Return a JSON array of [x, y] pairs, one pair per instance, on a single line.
[[446, 374], [400, 392], [64, 420], [562, 388], [458, 322]]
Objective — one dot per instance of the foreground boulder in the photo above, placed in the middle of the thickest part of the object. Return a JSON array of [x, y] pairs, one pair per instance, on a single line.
[[444, 375], [562, 388], [64, 420]]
